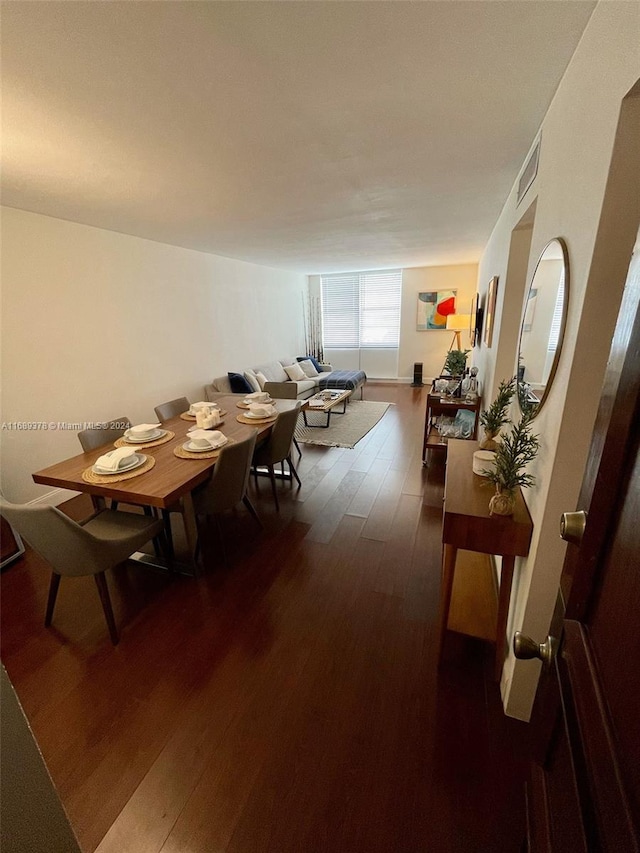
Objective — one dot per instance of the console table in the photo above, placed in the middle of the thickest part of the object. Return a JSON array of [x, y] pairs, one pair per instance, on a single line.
[[437, 404], [467, 525]]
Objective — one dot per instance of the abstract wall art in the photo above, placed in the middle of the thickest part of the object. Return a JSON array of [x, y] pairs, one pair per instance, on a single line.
[[434, 307]]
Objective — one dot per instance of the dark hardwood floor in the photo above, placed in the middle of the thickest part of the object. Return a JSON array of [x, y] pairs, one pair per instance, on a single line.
[[288, 701]]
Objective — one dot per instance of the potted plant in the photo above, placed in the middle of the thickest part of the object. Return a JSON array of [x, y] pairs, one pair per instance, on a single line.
[[495, 417], [455, 363], [517, 449]]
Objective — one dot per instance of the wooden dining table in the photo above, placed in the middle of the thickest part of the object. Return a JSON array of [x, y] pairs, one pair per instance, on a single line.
[[171, 480]]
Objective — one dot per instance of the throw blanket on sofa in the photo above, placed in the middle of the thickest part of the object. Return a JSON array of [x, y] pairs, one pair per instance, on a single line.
[[346, 379]]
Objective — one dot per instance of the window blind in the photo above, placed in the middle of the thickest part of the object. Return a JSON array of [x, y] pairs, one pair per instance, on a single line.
[[361, 310], [556, 320]]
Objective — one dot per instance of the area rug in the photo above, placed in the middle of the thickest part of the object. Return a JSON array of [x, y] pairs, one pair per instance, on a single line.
[[344, 430]]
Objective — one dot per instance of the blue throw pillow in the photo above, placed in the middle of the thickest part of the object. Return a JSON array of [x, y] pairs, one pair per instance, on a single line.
[[239, 384], [314, 362]]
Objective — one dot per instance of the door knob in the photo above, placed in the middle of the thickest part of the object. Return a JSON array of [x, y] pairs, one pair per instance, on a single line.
[[524, 648], [572, 525]]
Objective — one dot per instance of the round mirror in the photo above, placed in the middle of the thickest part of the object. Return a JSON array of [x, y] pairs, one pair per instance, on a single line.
[[543, 324]]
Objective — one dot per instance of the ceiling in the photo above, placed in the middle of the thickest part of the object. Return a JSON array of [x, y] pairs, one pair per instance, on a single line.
[[312, 136]]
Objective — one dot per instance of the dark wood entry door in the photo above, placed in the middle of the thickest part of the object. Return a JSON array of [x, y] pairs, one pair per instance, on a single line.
[[584, 793]]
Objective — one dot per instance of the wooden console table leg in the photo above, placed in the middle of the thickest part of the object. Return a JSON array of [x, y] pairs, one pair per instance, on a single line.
[[506, 579], [448, 571]]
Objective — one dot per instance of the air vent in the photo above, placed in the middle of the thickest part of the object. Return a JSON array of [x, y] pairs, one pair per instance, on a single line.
[[528, 173]]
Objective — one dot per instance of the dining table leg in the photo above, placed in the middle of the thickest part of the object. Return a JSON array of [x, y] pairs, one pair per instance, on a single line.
[[190, 528]]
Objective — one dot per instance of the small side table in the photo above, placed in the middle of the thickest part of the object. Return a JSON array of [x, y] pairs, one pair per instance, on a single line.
[[437, 404], [467, 525]]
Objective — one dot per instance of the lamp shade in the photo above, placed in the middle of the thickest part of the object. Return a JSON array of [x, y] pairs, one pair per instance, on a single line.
[[458, 322]]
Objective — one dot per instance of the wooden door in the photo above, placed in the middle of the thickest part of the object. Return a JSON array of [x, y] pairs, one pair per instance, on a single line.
[[584, 793]]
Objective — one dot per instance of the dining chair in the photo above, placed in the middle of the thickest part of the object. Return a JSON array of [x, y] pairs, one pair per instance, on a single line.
[[277, 448], [227, 486], [174, 407], [90, 439], [89, 548]]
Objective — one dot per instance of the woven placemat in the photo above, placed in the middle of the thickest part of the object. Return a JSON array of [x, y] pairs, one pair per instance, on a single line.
[[187, 417], [243, 419], [181, 453], [104, 479], [122, 442]]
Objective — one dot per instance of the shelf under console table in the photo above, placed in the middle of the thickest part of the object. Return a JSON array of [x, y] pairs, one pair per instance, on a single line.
[[468, 525], [437, 404]]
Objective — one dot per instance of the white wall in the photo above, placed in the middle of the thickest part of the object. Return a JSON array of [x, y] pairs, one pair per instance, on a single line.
[[578, 136], [376, 363], [431, 347], [96, 325]]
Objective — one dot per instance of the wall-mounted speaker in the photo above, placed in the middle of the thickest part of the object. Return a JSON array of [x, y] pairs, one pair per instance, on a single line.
[[417, 375]]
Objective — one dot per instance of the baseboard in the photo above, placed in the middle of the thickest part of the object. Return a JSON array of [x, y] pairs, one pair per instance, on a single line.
[[54, 497], [401, 380]]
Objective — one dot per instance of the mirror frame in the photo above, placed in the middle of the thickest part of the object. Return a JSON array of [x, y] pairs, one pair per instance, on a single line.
[[563, 323]]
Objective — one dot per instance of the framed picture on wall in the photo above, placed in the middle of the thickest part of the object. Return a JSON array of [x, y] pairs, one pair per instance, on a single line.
[[490, 311], [434, 307], [475, 323]]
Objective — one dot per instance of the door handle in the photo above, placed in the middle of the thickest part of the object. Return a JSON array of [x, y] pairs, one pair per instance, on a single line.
[[572, 525], [524, 648]]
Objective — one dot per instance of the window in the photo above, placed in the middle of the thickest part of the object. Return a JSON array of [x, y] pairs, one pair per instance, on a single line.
[[361, 310], [556, 320]]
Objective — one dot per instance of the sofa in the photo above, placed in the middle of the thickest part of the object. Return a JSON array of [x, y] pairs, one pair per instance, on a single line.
[[278, 383]]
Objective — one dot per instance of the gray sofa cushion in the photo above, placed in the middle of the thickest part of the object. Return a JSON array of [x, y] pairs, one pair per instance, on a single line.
[[305, 385], [273, 370]]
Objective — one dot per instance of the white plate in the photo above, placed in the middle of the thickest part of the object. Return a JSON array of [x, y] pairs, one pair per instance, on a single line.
[[157, 433], [136, 461], [262, 402], [260, 417], [194, 448]]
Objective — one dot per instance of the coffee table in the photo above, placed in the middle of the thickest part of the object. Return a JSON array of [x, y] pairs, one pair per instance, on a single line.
[[329, 404]]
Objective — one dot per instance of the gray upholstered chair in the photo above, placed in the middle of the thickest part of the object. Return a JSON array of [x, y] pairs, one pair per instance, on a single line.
[[73, 549], [277, 448], [90, 439], [165, 411], [228, 484]]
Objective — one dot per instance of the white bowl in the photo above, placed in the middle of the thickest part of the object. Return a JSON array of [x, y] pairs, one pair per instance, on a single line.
[[130, 433], [484, 461], [200, 442]]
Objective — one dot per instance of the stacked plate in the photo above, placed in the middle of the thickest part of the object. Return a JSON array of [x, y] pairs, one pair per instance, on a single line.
[[137, 436], [261, 410], [194, 408], [204, 441], [129, 463], [261, 397]]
